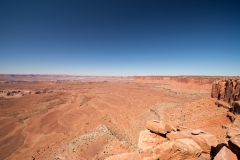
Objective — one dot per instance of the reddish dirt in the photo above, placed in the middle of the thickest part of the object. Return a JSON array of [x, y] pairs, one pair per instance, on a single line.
[[81, 120]]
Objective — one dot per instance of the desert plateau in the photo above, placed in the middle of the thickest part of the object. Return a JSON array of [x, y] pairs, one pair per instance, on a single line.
[[52, 117], [119, 80]]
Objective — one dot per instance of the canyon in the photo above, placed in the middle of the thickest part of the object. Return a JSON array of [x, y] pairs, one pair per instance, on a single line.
[[99, 117]]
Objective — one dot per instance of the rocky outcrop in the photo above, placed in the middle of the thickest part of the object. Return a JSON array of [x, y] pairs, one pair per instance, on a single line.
[[148, 140], [178, 135], [227, 90], [13, 93], [20, 93], [225, 154], [234, 134], [161, 141], [158, 127], [227, 93], [234, 128], [236, 107], [43, 91], [178, 149], [236, 140], [231, 116], [223, 104], [206, 141]]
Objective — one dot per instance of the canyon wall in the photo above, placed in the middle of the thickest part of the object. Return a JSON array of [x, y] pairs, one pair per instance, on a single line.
[[227, 90], [178, 79]]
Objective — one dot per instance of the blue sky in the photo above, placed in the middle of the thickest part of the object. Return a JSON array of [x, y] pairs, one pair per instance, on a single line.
[[120, 37]]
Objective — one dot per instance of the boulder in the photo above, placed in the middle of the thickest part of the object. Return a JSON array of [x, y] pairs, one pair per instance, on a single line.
[[233, 131], [225, 154], [187, 133], [148, 140], [176, 135], [236, 123], [197, 131], [163, 151], [158, 127], [235, 149], [236, 140], [178, 149], [206, 141], [188, 147]]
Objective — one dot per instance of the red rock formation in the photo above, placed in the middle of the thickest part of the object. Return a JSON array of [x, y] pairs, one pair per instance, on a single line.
[[205, 141], [158, 127], [236, 106], [223, 104], [180, 143], [226, 90], [148, 140], [214, 92], [177, 135], [236, 91], [178, 149], [225, 154], [179, 79], [234, 134]]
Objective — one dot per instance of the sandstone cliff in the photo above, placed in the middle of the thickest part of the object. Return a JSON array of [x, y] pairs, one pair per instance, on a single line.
[[178, 79], [227, 90]]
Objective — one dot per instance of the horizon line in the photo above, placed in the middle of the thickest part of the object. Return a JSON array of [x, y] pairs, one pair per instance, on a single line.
[[122, 75]]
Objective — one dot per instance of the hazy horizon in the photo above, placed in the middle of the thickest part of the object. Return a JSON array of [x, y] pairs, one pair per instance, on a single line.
[[120, 38], [79, 75]]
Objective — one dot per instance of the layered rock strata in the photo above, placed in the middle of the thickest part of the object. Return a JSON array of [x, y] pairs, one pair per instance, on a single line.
[[178, 79], [227, 90]]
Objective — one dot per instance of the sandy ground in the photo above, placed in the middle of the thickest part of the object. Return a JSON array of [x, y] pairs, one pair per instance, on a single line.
[[85, 120]]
